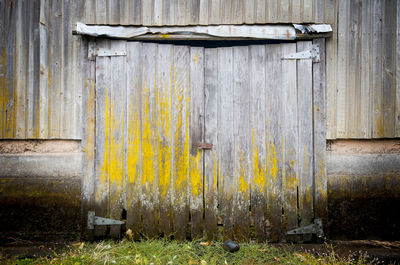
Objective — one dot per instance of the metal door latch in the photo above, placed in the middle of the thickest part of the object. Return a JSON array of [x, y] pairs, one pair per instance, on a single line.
[[313, 54], [93, 221], [315, 228], [204, 146]]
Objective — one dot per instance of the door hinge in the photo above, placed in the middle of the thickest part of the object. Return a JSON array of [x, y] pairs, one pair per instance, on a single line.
[[312, 53], [115, 50], [315, 228], [93, 221]]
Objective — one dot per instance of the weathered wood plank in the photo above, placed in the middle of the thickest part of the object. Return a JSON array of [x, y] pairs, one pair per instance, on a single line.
[[124, 12], [113, 12], [341, 79], [169, 12], [377, 87], [164, 81], [318, 11], [117, 125], [68, 91], [3, 58], [194, 12], [249, 11], [290, 139], [305, 138], [101, 15], [211, 94], [237, 11], [260, 10], [258, 160], [296, 11], [319, 95], [273, 11], [284, 11], [365, 117], [397, 103], [158, 13], [21, 54], [196, 136], [134, 136], [135, 12], [226, 158], [181, 12], [203, 12], [242, 136], [90, 16], [102, 139], [214, 14], [226, 11], [147, 12], [307, 10], [389, 67], [274, 138], [181, 140], [150, 138]]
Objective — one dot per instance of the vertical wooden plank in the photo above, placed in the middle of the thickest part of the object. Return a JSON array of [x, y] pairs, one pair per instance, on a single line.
[[260, 11], [330, 11], [194, 12], [88, 81], [164, 85], [275, 120], [365, 113], [181, 12], [117, 125], [169, 12], [342, 70], [91, 11], [397, 104], [284, 10], [237, 11], [214, 13], [377, 87], [68, 92], [101, 12], [249, 11], [388, 78], [242, 136], [273, 11], [319, 95], [3, 57], [319, 11], [181, 140], [290, 139], [124, 7], [149, 141], [147, 12], [211, 136], [10, 59], [158, 13], [226, 182], [203, 12], [102, 138], [196, 136], [226, 12], [134, 136], [113, 12], [32, 81], [296, 12], [307, 10], [305, 147], [135, 12], [21, 54], [258, 160]]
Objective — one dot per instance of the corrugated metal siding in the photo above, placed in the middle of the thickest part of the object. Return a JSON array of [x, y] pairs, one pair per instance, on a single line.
[[39, 71], [207, 12], [363, 95]]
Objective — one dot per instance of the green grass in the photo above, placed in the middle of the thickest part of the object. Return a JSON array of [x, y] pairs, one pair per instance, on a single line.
[[189, 252]]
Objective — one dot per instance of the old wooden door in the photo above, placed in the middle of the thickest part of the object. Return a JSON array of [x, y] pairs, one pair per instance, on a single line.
[[155, 103]]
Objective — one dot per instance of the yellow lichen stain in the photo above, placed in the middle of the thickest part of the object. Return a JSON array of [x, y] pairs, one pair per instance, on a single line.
[[195, 174], [165, 36], [196, 57], [7, 104], [116, 150], [273, 162], [258, 170], [147, 145], [133, 154], [242, 173], [379, 124], [181, 140], [165, 152], [90, 106]]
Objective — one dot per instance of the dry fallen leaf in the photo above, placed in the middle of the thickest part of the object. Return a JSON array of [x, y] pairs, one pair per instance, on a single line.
[[207, 243], [81, 245], [76, 244], [129, 234]]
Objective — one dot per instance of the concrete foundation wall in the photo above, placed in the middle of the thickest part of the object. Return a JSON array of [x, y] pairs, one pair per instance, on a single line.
[[40, 189], [364, 189]]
